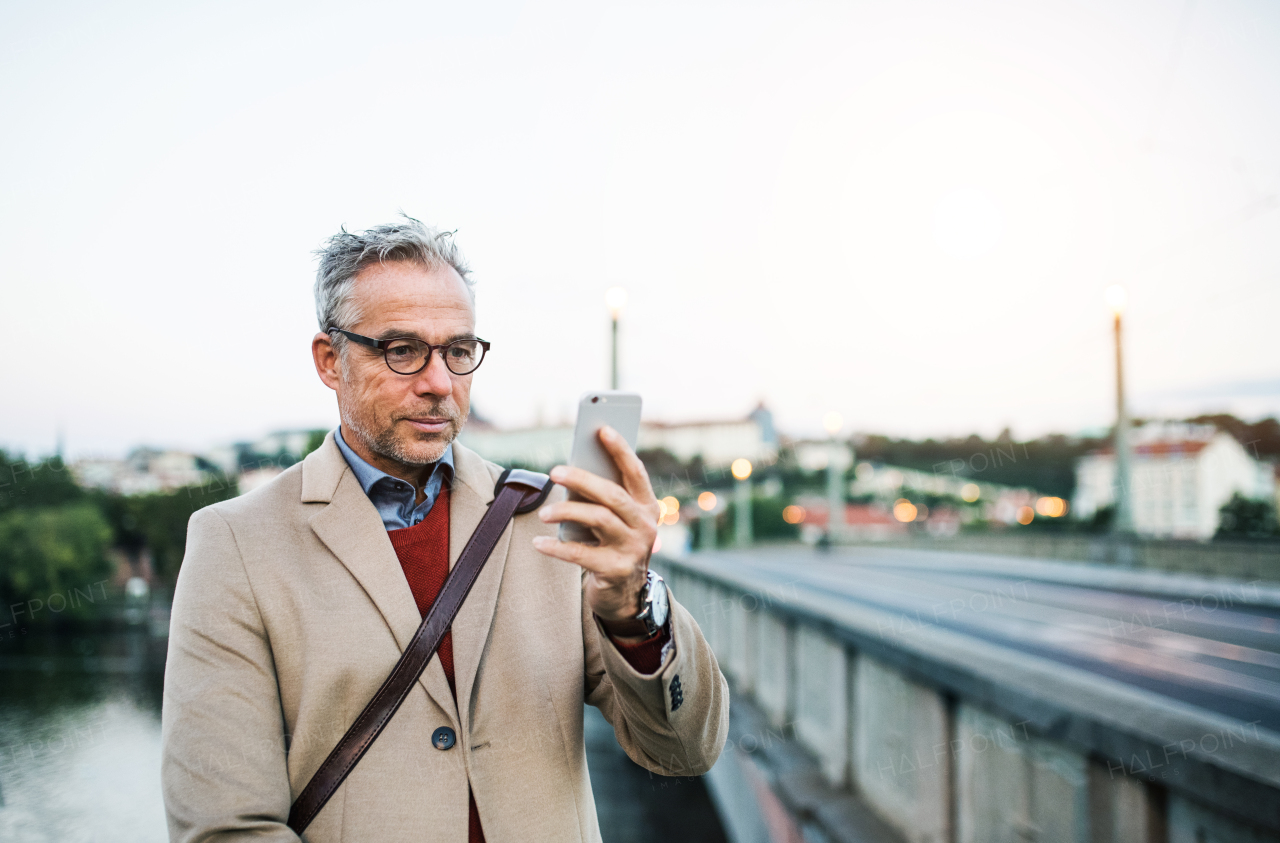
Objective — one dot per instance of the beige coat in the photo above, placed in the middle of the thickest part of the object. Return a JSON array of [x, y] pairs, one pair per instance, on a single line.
[[292, 608]]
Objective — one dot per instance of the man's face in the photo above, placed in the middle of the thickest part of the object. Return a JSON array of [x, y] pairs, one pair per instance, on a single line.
[[403, 421]]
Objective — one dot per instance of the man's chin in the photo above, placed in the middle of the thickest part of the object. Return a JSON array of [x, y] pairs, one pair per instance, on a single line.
[[424, 447]]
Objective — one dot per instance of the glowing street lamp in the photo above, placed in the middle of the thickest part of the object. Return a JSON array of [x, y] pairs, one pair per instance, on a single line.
[[615, 299], [1117, 297], [832, 422], [1122, 524]]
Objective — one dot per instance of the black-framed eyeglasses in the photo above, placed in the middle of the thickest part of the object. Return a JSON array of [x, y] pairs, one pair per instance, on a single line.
[[408, 356]]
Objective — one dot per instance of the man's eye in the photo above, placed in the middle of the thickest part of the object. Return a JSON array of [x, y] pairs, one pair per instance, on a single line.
[[401, 351]]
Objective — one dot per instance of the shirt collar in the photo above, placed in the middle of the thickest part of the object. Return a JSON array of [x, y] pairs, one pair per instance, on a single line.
[[368, 476]]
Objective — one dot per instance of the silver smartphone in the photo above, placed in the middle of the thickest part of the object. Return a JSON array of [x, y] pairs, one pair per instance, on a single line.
[[619, 410]]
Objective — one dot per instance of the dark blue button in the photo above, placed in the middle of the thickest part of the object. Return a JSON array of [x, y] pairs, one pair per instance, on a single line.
[[443, 738]]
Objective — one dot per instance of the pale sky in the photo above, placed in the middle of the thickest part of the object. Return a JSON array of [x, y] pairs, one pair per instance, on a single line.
[[903, 211]]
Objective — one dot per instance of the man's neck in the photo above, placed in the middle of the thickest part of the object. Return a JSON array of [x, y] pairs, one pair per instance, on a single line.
[[415, 475]]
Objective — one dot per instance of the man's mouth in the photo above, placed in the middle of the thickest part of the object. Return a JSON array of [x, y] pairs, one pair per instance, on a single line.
[[430, 424]]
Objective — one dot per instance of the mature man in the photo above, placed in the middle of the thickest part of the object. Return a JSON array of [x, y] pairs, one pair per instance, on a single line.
[[295, 601]]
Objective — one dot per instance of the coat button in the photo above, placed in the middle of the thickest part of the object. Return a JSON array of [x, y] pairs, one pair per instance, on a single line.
[[443, 738]]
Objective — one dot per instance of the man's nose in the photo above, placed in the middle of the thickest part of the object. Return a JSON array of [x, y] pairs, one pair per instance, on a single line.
[[435, 379]]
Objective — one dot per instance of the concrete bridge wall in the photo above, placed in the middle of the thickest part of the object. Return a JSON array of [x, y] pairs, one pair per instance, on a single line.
[[1239, 559], [949, 739]]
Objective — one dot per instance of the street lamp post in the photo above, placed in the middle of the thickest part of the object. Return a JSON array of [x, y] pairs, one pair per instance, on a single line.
[[1123, 520], [741, 469], [616, 299], [707, 521], [832, 422]]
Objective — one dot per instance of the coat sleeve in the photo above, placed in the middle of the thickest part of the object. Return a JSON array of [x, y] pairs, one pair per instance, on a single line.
[[672, 722], [223, 767]]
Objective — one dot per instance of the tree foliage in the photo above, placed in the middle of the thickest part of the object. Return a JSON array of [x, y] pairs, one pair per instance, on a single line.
[[158, 521], [26, 485], [1244, 518], [1261, 438], [55, 535], [1047, 464], [47, 554]]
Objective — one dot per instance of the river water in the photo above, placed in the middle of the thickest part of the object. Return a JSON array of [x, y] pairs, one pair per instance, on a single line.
[[80, 740], [80, 752]]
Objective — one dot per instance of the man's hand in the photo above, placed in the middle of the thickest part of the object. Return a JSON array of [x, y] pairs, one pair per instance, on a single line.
[[625, 521]]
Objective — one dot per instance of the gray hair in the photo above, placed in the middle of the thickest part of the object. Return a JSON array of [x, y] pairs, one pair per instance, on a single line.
[[345, 254]]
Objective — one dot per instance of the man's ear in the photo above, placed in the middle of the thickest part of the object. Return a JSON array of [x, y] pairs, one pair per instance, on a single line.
[[326, 360]]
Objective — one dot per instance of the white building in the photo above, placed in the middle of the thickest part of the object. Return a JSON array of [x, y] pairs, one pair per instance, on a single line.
[[718, 443], [144, 471], [292, 442], [1182, 474]]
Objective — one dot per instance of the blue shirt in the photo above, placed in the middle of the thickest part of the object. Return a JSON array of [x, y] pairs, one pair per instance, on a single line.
[[391, 496]]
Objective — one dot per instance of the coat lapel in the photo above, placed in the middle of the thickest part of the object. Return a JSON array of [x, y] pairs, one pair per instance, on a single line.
[[351, 528], [468, 502]]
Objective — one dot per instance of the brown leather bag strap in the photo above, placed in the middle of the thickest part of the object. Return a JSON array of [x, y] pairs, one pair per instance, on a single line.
[[518, 491]]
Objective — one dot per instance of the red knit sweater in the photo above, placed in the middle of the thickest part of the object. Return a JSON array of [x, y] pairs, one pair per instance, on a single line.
[[423, 550]]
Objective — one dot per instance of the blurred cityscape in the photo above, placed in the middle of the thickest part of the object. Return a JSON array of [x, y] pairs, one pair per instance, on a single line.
[[89, 552], [1206, 479], [891, 223]]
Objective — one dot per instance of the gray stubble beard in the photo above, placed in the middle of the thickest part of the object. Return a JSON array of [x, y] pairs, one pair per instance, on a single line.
[[385, 443]]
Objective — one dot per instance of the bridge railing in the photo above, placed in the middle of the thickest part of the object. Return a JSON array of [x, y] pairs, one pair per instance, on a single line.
[[950, 738]]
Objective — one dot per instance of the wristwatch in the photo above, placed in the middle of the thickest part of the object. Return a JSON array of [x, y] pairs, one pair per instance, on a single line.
[[654, 607], [654, 610]]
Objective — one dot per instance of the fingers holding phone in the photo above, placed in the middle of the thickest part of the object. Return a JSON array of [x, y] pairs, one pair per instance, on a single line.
[[608, 524], [606, 508]]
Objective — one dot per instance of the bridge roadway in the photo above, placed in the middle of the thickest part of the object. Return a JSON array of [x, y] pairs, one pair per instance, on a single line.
[[1213, 645]]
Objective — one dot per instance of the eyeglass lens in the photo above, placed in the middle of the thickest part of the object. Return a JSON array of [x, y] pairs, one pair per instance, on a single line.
[[407, 357]]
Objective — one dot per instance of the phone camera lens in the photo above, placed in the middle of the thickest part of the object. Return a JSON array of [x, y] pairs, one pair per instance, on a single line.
[[595, 399]]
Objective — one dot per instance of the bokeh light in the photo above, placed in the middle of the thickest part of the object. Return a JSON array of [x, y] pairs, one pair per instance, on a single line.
[[707, 501], [1051, 507], [670, 510], [741, 468], [793, 514], [904, 510]]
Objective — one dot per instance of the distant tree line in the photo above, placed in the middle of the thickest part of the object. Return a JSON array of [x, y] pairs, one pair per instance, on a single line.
[[1047, 464], [56, 537], [1261, 439]]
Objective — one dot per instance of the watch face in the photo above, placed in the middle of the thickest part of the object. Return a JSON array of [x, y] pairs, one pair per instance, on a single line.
[[658, 598]]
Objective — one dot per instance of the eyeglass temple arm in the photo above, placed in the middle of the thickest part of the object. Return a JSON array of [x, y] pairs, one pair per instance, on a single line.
[[372, 343]]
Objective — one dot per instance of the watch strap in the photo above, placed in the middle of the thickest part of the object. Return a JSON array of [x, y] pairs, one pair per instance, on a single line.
[[627, 629]]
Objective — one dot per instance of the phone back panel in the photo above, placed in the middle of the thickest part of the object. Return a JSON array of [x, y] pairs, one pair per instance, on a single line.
[[619, 410]]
